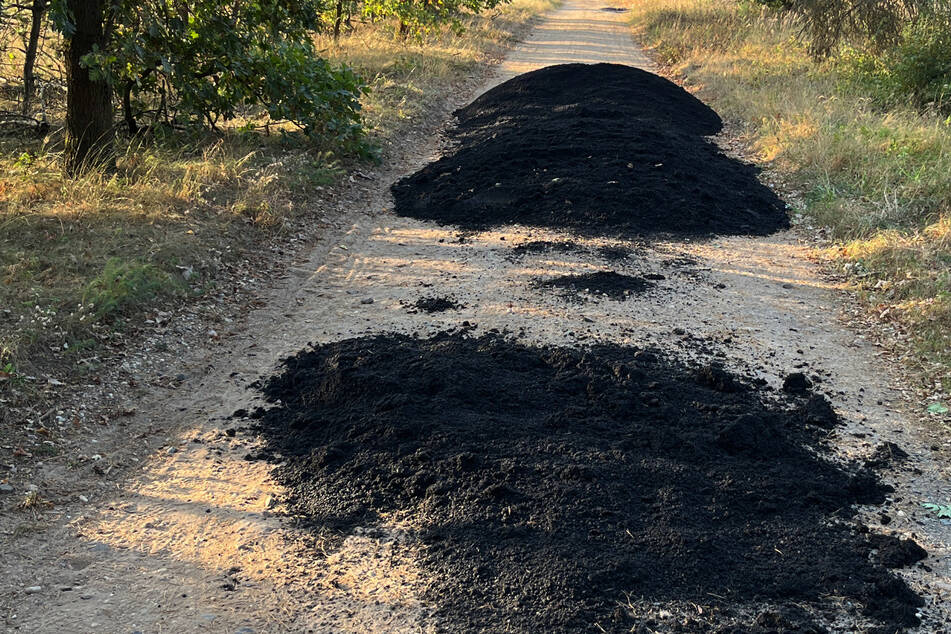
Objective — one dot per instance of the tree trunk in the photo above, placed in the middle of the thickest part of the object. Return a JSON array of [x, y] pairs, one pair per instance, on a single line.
[[337, 20], [29, 62], [88, 101], [127, 113]]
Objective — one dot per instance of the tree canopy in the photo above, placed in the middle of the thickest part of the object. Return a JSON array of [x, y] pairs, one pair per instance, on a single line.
[[205, 62]]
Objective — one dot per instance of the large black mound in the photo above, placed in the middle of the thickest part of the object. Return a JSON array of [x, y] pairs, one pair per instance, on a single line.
[[563, 490], [601, 149], [612, 90]]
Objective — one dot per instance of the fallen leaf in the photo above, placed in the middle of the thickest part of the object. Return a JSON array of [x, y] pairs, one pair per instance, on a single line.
[[938, 408], [939, 509]]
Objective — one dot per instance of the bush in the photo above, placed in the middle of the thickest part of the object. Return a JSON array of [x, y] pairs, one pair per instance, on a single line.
[[205, 62], [917, 70], [921, 65]]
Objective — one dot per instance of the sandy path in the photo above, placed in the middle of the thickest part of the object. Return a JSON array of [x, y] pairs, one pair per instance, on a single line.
[[580, 32], [194, 541]]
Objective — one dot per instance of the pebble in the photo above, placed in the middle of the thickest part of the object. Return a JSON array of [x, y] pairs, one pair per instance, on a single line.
[[368, 300], [33, 589], [171, 450], [6, 488]]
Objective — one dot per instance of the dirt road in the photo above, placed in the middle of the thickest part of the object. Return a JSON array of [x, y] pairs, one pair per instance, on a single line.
[[195, 540]]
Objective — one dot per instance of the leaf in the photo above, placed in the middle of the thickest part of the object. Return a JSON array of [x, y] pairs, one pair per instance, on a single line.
[[938, 509], [938, 408]]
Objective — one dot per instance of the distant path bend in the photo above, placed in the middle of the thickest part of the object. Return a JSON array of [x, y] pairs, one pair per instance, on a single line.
[[580, 31]]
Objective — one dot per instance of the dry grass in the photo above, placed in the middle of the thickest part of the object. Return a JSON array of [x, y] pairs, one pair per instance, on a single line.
[[79, 257], [878, 179]]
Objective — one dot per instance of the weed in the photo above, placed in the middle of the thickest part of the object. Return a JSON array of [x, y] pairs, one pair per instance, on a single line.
[[123, 285]]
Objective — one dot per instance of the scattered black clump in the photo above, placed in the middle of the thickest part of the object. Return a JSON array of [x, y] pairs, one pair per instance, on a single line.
[[885, 455], [545, 246], [553, 487], [786, 619], [580, 288], [601, 149], [796, 383], [435, 304], [897, 552], [817, 410], [716, 378], [614, 253]]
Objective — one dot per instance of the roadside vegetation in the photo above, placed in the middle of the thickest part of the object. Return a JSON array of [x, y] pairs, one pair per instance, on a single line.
[[858, 119], [196, 177]]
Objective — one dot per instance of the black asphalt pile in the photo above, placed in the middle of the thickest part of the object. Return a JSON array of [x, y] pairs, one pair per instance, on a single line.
[[563, 490], [600, 149], [580, 288]]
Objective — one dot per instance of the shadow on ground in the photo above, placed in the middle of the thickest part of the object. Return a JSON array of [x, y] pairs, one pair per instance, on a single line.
[[559, 489]]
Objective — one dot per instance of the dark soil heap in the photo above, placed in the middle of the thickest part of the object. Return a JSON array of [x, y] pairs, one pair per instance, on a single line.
[[536, 247], [601, 149], [545, 247], [608, 284], [560, 490], [435, 305]]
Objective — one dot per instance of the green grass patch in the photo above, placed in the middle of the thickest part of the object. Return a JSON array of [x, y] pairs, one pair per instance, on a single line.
[[123, 287]]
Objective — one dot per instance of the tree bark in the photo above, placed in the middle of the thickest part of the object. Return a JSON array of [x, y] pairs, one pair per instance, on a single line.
[[338, 18], [127, 113], [29, 63], [88, 102]]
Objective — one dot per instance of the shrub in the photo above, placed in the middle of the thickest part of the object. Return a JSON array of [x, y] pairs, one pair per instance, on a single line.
[[205, 62], [916, 71], [921, 65]]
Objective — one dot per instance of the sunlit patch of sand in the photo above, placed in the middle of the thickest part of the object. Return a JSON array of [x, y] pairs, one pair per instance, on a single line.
[[206, 510]]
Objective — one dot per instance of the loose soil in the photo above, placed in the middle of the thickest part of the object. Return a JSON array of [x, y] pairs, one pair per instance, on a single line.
[[536, 247], [611, 253], [602, 149], [435, 305], [564, 489], [581, 288]]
